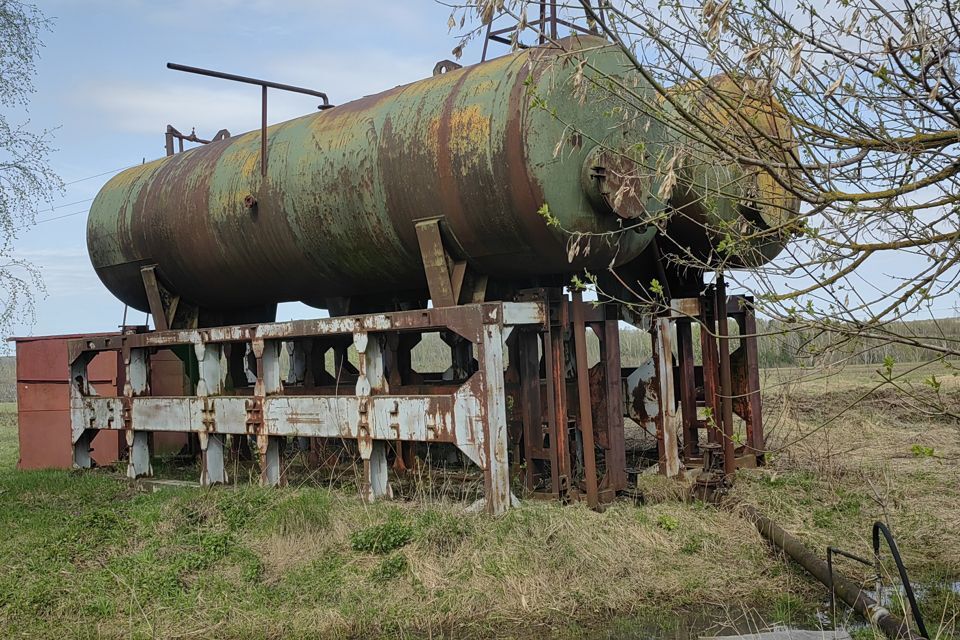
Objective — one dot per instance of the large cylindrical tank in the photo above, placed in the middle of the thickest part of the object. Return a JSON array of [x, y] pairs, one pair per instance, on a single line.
[[506, 152]]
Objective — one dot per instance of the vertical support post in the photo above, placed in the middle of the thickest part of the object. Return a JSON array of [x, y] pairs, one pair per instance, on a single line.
[[138, 442], [149, 276], [726, 384], [556, 372], [688, 387], [271, 473], [374, 484], [748, 338], [667, 415], [497, 472], [531, 410], [81, 449], [443, 291], [81, 436], [211, 381], [708, 343], [610, 352], [213, 470], [138, 445], [583, 396], [268, 383]]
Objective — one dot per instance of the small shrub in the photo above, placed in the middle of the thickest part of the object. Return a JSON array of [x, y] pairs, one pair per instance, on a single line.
[[239, 506], [823, 518], [382, 538], [667, 522], [789, 608], [390, 567], [692, 546], [920, 451]]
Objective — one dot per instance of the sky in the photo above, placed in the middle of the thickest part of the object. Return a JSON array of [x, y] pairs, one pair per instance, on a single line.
[[103, 87], [102, 84]]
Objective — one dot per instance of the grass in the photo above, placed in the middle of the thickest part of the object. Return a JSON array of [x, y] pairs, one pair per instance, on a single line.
[[90, 555], [882, 459]]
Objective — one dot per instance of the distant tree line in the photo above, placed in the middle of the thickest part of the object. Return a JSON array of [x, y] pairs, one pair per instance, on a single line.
[[780, 345]]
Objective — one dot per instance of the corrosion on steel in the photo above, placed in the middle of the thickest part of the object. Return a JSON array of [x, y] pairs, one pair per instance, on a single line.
[[326, 205]]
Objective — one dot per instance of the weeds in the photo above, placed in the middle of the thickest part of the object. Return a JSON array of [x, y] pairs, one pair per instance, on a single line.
[[390, 567], [382, 538], [84, 555]]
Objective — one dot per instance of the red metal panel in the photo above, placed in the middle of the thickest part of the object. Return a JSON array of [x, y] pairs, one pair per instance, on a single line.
[[167, 379], [45, 441], [44, 359], [43, 396], [43, 403], [101, 371]]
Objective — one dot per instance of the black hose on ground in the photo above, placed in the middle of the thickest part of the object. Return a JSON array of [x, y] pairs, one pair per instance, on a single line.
[[878, 528], [848, 591]]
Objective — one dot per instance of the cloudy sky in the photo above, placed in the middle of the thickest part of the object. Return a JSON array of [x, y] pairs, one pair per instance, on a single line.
[[102, 83]]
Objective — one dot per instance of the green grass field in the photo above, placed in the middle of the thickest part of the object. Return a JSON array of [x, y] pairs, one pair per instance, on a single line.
[[89, 555]]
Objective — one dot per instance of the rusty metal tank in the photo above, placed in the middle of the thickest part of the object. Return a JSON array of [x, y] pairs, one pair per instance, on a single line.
[[506, 152]]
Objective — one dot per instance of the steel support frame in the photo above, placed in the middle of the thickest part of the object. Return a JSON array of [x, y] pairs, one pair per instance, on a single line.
[[570, 415], [726, 385], [471, 415]]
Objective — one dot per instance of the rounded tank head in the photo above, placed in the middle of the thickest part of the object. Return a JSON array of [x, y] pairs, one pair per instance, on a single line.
[[732, 199]]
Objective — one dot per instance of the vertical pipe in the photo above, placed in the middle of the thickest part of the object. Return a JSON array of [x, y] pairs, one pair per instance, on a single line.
[[486, 42], [583, 396], [543, 22], [726, 385], [263, 131], [553, 19]]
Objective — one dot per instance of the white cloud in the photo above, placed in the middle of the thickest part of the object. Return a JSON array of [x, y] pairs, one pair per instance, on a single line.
[[210, 104], [65, 271]]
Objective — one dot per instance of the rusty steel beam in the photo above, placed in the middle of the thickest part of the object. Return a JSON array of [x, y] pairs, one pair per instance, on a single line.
[[688, 390], [726, 385], [463, 320], [469, 413], [585, 414], [666, 418], [616, 460]]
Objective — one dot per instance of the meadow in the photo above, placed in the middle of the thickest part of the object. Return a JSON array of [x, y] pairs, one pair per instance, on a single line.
[[92, 555]]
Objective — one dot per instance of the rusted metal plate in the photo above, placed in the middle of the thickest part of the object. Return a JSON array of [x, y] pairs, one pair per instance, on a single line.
[[45, 440], [465, 320], [43, 402], [44, 359], [334, 215]]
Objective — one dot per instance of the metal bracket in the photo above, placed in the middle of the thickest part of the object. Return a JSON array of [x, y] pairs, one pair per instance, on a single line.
[[445, 273], [162, 314]]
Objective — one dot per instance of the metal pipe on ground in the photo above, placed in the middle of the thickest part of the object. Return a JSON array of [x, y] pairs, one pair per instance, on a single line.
[[847, 590]]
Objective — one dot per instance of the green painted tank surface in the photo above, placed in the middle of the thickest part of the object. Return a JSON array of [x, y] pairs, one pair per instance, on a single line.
[[489, 148]]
